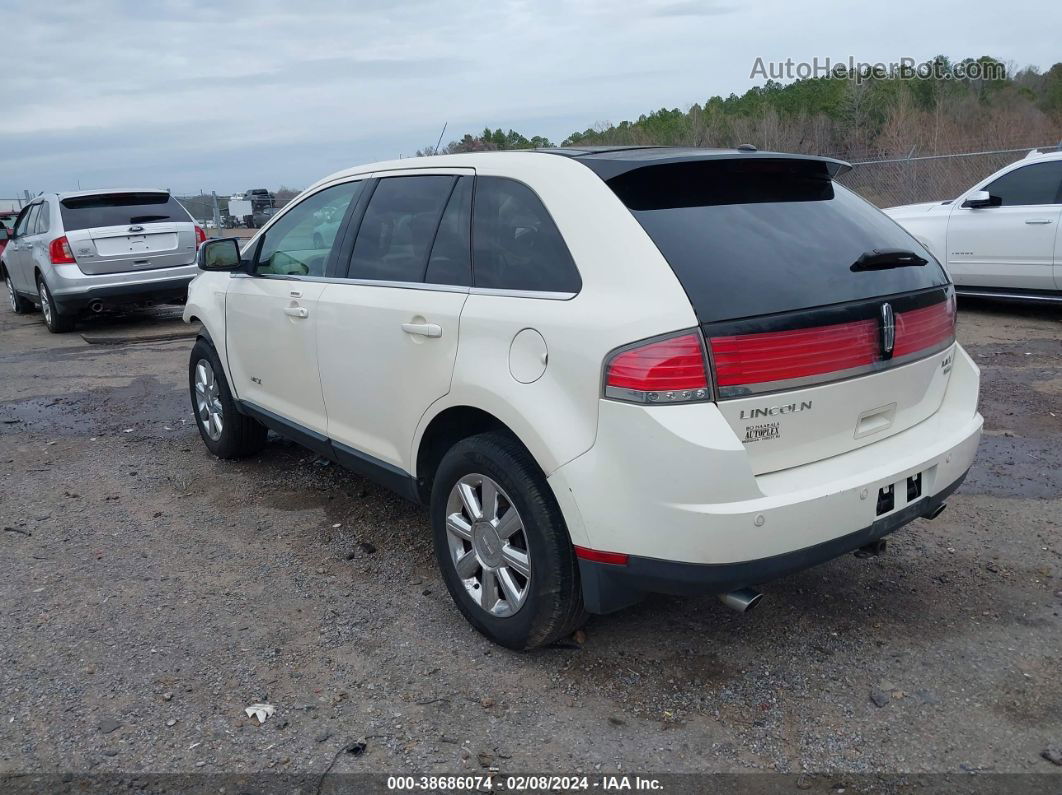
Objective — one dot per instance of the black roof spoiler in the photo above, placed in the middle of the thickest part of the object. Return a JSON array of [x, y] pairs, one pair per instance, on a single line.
[[611, 161]]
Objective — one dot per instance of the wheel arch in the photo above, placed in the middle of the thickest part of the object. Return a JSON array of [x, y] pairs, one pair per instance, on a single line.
[[445, 429]]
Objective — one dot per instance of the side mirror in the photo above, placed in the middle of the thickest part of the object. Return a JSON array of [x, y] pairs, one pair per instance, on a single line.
[[219, 254], [981, 198]]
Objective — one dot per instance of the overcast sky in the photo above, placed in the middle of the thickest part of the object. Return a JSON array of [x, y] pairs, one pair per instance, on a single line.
[[231, 95]]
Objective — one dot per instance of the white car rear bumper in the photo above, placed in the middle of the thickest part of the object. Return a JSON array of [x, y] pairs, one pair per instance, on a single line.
[[671, 485]]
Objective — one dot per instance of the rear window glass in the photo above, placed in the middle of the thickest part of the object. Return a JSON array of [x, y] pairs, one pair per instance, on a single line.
[[758, 236], [120, 209]]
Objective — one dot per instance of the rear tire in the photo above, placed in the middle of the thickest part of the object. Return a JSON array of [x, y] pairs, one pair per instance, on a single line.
[[225, 431], [524, 612], [54, 319], [19, 305]]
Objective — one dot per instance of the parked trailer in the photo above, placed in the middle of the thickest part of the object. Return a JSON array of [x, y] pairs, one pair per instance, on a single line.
[[242, 212]]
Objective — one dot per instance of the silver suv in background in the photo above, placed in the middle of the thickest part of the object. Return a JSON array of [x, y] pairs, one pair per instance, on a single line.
[[86, 251]]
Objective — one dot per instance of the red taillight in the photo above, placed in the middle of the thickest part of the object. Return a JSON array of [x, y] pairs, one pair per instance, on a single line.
[[782, 355], [200, 236], [597, 556], [59, 252], [665, 371], [777, 359], [923, 328]]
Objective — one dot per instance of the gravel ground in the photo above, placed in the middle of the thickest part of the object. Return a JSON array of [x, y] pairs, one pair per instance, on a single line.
[[151, 592]]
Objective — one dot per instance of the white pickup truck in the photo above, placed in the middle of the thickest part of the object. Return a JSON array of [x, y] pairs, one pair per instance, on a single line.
[[1001, 237]]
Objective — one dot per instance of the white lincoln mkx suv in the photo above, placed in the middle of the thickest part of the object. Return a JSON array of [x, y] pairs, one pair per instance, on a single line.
[[607, 372]]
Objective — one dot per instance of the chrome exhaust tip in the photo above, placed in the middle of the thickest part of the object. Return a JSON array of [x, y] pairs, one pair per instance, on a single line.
[[96, 307], [742, 600]]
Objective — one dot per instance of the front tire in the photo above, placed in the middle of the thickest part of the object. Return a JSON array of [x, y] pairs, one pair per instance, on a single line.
[[19, 305], [502, 544], [225, 431], [54, 319]]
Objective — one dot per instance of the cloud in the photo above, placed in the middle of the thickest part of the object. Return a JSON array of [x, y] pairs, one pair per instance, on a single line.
[[193, 94], [692, 9]]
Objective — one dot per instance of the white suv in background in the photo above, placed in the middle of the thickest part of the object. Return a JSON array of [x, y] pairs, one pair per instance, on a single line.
[[1001, 238], [87, 251], [607, 372]]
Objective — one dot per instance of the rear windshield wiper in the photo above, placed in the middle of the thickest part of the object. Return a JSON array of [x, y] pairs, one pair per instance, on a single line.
[[884, 258]]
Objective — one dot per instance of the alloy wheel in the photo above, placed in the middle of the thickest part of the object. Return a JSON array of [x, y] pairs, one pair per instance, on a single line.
[[46, 304], [488, 545], [11, 293], [208, 400]]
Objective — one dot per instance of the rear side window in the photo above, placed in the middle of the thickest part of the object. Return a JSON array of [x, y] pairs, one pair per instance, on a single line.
[[120, 209], [755, 236], [396, 234], [515, 244], [1039, 183], [451, 254]]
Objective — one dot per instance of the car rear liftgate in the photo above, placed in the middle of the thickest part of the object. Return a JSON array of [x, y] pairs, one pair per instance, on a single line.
[[120, 232], [807, 385], [827, 327]]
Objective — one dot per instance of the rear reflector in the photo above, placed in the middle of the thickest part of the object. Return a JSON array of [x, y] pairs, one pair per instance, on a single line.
[[764, 361], [597, 556], [666, 371], [59, 252]]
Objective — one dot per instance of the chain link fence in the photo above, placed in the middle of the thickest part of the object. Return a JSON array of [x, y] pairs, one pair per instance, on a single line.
[[924, 178]]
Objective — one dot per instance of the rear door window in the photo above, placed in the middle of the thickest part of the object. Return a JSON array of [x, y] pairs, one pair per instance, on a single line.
[[515, 244], [29, 227], [301, 240], [396, 233], [120, 209], [757, 236], [1038, 183], [451, 254]]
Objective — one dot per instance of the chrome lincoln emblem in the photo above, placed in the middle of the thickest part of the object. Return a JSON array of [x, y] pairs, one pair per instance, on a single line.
[[888, 330]]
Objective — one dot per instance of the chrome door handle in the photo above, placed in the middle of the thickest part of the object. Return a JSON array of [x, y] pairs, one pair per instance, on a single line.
[[423, 329], [1037, 220], [296, 311]]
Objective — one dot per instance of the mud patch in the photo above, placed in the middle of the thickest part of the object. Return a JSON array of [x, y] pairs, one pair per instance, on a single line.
[[141, 406], [52, 415]]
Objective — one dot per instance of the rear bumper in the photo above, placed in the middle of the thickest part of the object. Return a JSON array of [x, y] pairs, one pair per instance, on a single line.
[[609, 587], [672, 488], [74, 290]]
